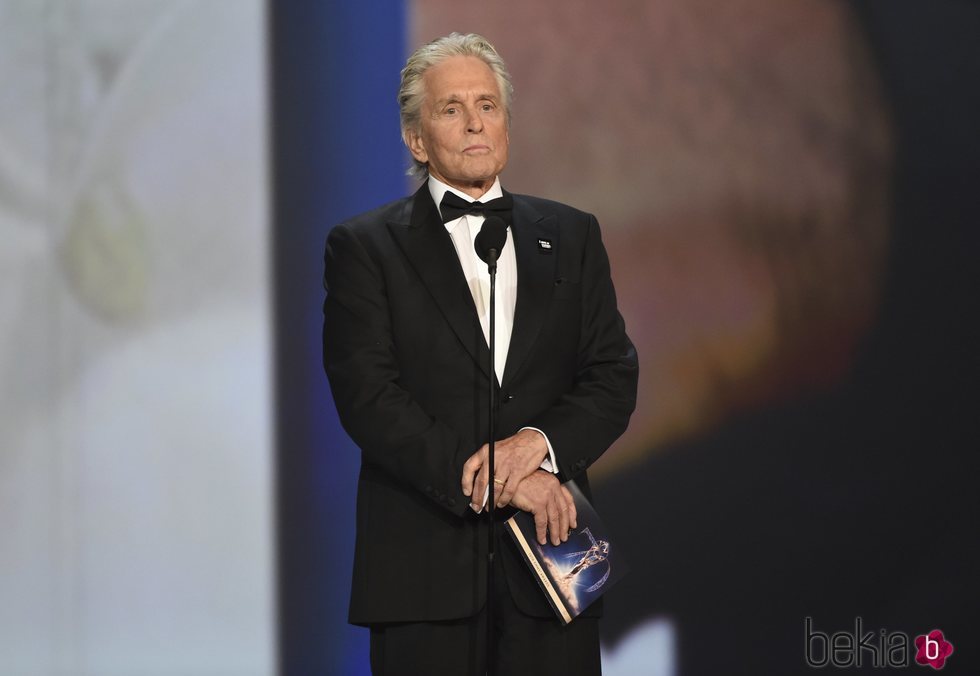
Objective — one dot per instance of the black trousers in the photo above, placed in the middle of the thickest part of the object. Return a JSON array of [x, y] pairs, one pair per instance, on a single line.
[[523, 645]]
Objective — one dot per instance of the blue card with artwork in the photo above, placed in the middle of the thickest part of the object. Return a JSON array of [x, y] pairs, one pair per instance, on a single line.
[[576, 572]]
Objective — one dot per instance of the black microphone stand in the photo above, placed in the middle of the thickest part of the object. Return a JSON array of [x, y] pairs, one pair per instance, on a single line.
[[491, 500], [489, 243]]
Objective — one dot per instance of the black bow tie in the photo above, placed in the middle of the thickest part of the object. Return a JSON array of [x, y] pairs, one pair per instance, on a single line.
[[453, 206]]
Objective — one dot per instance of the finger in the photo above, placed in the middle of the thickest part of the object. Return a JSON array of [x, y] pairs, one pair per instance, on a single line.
[[564, 522], [469, 474], [507, 490], [554, 521], [503, 473], [501, 467], [477, 503], [480, 488], [572, 512], [541, 525], [480, 478], [498, 491], [470, 469]]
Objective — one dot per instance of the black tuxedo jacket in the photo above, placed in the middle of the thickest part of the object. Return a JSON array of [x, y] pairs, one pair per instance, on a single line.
[[409, 366]]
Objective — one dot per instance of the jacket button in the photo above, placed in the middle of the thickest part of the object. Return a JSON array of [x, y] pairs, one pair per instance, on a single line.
[[507, 398], [428, 489]]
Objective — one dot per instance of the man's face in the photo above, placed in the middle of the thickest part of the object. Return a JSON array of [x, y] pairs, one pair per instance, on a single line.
[[463, 134]]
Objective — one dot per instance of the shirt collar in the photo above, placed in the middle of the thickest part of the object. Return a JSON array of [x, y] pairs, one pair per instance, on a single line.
[[437, 189]]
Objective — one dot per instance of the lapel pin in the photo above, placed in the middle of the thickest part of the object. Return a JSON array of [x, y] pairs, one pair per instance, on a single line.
[[544, 246]]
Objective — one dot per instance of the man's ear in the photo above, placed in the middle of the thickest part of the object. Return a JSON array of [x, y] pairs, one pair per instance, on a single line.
[[413, 140]]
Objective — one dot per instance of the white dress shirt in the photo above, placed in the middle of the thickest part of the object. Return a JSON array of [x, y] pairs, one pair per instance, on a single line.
[[463, 232]]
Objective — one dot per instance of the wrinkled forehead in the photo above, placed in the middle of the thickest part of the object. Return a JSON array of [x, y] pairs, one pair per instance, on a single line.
[[460, 78]]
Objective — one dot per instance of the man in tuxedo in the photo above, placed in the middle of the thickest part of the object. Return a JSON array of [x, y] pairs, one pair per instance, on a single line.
[[406, 351]]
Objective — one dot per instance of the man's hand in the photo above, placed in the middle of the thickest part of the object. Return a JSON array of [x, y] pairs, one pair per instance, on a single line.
[[551, 504], [514, 458]]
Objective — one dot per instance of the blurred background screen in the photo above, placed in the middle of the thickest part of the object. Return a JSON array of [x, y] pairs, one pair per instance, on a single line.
[[137, 420]]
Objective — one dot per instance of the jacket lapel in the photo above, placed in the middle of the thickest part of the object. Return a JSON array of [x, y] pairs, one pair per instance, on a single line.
[[430, 250], [535, 280]]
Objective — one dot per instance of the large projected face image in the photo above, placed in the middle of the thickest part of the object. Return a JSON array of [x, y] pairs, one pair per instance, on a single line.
[[737, 158]]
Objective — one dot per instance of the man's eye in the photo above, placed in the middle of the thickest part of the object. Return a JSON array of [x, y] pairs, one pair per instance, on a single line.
[[487, 107], [451, 111]]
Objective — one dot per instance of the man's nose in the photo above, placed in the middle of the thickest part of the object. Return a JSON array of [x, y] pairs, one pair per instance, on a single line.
[[474, 122]]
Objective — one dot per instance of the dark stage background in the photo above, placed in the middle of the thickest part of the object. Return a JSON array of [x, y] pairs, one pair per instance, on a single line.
[[788, 196]]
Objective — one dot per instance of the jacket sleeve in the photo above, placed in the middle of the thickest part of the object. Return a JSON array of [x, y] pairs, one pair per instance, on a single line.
[[596, 409], [392, 430]]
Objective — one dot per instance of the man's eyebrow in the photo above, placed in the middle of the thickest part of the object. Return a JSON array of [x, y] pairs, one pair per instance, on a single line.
[[457, 98], [451, 98]]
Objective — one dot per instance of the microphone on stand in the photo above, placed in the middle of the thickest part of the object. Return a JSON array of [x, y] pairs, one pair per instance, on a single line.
[[489, 243]]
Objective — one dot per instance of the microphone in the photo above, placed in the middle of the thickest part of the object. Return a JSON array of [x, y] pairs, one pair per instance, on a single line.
[[490, 242]]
